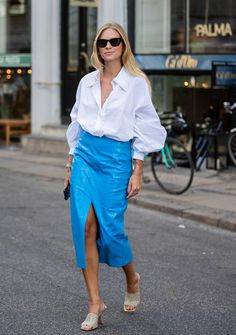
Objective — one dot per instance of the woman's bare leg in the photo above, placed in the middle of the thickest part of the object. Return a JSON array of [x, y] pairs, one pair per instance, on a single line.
[[96, 304], [132, 279]]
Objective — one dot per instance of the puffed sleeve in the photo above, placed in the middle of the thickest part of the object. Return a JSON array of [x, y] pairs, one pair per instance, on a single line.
[[74, 127], [149, 134]]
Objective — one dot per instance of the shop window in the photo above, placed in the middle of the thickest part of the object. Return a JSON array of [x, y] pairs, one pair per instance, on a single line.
[[160, 26], [91, 28], [178, 14], [15, 93], [152, 26], [15, 26], [73, 39], [189, 94], [80, 39], [212, 26]]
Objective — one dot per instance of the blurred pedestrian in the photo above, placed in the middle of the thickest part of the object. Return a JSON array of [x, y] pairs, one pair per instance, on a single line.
[[113, 121]]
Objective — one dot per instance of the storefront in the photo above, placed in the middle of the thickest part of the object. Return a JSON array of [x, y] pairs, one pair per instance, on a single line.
[[188, 83], [177, 43], [60, 52], [15, 58], [79, 26], [80, 20]]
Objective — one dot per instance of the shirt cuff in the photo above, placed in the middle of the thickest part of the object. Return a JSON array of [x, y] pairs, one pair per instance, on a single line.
[[71, 152], [138, 155]]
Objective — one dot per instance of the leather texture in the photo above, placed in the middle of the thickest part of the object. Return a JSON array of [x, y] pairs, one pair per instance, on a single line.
[[100, 174]]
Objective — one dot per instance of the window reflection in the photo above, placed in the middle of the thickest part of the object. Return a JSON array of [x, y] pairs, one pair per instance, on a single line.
[[92, 28], [73, 39], [15, 26], [15, 93], [192, 95], [152, 26], [80, 38], [159, 26], [212, 26], [177, 26], [170, 26]]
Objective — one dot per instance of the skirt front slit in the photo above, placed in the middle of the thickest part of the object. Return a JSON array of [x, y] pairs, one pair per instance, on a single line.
[[100, 174]]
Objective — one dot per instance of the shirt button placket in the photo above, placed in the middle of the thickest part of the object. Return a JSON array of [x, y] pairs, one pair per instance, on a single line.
[[98, 125]]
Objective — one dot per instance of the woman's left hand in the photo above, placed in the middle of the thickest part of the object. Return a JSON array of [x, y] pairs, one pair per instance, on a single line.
[[134, 185]]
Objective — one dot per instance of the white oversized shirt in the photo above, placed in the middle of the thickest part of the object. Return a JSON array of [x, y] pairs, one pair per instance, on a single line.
[[127, 114]]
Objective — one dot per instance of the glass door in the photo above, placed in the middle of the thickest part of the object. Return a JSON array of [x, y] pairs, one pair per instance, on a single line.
[[79, 25]]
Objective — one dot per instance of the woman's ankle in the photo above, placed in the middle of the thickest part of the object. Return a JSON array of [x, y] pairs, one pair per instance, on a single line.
[[96, 306], [133, 283], [94, 302], [132, 280]]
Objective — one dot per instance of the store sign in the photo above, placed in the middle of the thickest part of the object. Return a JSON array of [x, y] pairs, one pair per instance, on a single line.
[[181, 62], [15, 60], [225, 75], [84, 3], [213, 30]]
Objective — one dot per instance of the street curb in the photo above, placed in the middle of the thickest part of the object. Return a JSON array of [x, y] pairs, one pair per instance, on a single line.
[[188, 214]]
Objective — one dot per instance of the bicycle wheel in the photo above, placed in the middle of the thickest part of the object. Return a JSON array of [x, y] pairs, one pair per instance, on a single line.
[[232, 147], [173, 167]]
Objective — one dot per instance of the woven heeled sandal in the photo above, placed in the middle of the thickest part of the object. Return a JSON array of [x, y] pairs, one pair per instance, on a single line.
[[92, 321]]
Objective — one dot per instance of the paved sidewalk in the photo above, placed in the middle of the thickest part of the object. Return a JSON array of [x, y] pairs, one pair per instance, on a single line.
[[211, 198]]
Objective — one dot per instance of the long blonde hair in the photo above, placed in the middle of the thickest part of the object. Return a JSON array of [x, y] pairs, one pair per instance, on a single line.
[[128, 60]]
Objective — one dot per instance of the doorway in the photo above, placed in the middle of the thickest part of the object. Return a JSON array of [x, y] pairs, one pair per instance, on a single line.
[[79, 26]]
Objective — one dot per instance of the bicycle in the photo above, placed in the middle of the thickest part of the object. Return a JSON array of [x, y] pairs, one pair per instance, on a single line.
[[201, 144], [232, 136], [172, 167]]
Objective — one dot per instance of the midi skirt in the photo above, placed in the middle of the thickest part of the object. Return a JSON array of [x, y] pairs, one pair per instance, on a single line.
[[100, 174]]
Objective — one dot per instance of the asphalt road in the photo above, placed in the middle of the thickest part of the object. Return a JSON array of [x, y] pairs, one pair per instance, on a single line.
[[188, 270]]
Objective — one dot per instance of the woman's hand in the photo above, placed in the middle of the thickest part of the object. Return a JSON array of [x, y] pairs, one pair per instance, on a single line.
[[67, 177], [135, 180], [68, 170]]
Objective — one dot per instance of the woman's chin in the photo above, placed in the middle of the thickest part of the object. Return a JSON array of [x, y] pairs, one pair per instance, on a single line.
[[110, 59]]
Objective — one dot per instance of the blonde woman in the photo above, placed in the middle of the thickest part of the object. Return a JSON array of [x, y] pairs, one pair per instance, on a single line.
[[113, 122]]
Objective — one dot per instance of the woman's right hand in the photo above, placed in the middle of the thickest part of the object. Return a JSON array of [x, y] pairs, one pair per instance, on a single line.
[[67, 177]]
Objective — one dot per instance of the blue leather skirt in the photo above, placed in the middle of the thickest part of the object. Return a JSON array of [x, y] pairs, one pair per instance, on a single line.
[[100, 174]]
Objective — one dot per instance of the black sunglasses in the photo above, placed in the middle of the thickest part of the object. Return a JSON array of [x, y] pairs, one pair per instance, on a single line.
[[114, 42]]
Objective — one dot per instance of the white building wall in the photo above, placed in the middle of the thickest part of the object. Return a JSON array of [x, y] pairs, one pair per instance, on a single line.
[[45, 49], [112, 10]]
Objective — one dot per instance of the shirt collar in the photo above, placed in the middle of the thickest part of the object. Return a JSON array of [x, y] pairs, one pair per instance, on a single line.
[[122, 79], [91, 78]]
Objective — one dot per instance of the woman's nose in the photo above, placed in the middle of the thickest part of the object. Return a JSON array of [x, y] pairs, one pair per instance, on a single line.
[[108, 45]]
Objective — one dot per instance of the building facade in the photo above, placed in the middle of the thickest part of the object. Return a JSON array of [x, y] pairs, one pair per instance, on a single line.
[[41, 63], [188, 50], [15, 59], [186, 47], [61, 53]]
